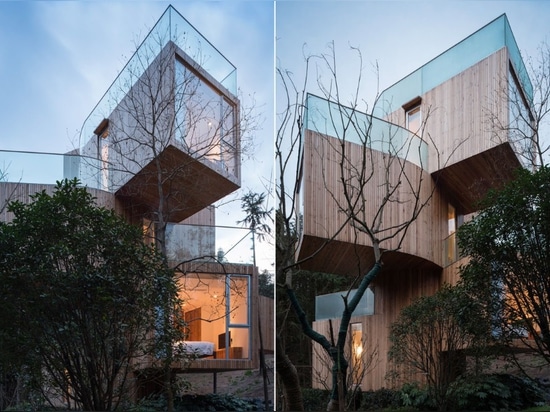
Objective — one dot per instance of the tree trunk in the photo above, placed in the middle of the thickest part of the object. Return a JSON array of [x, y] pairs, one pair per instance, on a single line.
[[291, 383]]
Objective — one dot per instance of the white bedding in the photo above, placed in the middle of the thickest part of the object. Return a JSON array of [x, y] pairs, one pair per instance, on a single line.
[[196, 348]]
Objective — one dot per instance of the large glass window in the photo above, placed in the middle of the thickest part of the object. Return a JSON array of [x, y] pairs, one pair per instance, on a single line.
[[216, 310], [205, 119]]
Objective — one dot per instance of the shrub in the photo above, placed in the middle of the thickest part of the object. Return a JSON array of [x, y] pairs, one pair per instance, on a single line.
[[315, 399], [381, 399], [496, 392]]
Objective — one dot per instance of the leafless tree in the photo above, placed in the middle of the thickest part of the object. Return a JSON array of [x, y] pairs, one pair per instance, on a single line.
[[372, 177]]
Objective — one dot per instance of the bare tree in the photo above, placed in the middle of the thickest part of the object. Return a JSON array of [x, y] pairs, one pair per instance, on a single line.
[[367, 172]]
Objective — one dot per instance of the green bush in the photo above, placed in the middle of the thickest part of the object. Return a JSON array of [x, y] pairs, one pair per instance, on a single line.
[[416, 396], [381, 399], [496, 392], [315, 399]]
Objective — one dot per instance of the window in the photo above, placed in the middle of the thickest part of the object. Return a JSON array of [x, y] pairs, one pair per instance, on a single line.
[[454, 221], [414, 120], [216, 309], [357, 364]]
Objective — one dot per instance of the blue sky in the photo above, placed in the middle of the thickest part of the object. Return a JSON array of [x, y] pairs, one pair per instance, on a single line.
[[399, 36]]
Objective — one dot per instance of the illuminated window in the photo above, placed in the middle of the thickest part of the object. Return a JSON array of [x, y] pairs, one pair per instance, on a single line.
[[216, 309], [357, 364]]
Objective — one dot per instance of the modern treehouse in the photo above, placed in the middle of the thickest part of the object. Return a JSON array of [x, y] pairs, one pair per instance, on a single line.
[[160, 148], [433, 126]]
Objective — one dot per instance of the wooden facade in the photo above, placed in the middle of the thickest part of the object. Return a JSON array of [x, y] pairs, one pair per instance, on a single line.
[[467, 155]]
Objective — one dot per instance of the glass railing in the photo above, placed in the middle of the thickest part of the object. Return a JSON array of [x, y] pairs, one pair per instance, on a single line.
[[342, 122], [198, 243], [331, 306], [172, 26], [455, 60], [47, 168]]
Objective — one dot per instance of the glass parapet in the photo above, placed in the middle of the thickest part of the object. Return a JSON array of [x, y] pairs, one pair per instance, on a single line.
[[208, 243], [171, 26], [47, 168], [331, 306], [333, 119], [455, 60]]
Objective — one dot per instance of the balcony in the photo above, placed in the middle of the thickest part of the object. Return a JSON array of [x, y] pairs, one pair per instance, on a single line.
[[484, 42], [48, 168], [321, 194]]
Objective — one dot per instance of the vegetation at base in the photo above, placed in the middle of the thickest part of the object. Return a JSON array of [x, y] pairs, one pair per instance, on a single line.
[[492, 392], [210, 402]]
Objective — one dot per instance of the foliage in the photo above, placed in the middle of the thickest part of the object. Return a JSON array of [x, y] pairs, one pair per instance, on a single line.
[[417, 396], [431, 334], [315, 399], [495, 392], [381, 399], [215, 402], [82, 293], [508, 244], [256, 214], [266, 287]]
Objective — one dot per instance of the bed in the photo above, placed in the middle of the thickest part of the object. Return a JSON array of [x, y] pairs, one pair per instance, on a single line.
[[199, 349], [193, 345]]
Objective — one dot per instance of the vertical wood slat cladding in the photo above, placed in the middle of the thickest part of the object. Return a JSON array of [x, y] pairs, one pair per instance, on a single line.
[[22, 191], [323, 195], [464, 150], [460, 108], [266, 314], [392, 291]]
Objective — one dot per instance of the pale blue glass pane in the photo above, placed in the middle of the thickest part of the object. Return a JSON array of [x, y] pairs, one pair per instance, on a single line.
[[202, 51], [171, 26], [471, 50], [404, 91], [210, 243], [331, 306], [339, 121], [44, 168], [455, 60]]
